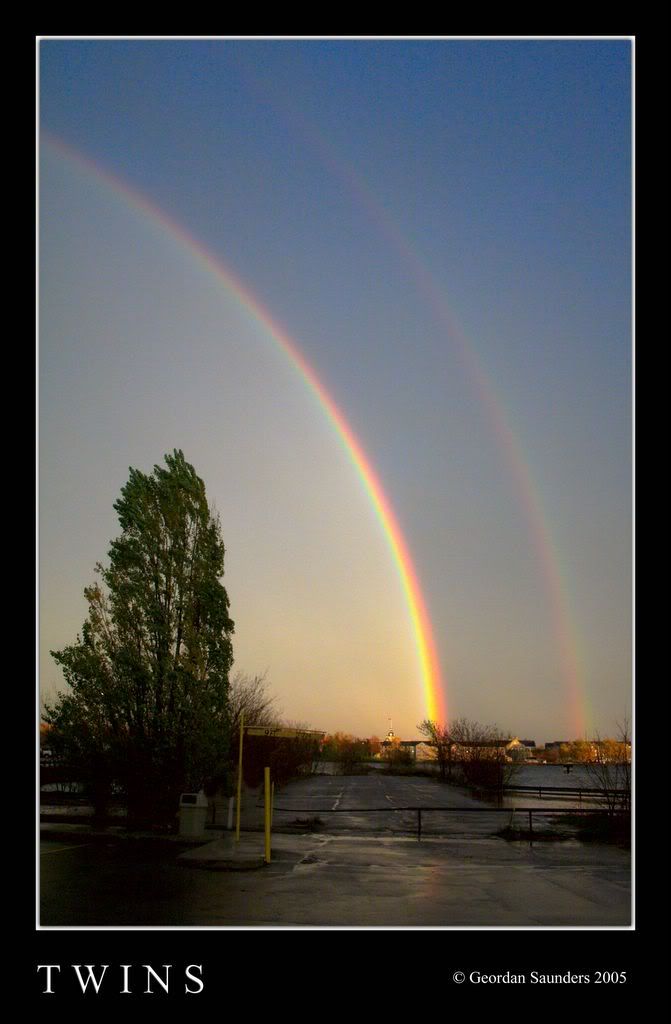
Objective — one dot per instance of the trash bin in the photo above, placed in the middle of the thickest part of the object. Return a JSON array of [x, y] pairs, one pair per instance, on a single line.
[[192, 814]]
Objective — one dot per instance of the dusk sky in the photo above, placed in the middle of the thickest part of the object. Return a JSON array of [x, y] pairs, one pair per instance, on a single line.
[[442, 230]]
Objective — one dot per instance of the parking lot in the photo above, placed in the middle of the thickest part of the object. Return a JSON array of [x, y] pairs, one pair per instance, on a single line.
[[336, 863]]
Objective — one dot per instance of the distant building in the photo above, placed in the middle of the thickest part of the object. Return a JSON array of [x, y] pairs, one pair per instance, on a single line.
[[391, 740], [517, 750]]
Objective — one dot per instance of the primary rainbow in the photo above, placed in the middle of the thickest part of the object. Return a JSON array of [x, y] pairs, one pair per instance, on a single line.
[[434, 695]]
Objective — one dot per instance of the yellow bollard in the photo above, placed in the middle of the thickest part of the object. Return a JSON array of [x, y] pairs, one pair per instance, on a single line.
[[267, 810], [237, 810], [272, 802]]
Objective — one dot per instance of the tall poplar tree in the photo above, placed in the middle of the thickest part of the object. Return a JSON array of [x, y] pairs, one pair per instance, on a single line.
[[149, 675]]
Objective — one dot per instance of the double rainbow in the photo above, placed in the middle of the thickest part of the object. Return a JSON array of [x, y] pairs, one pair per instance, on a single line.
[[511, 448]]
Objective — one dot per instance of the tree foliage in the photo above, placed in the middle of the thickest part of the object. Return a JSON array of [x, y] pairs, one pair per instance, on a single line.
[[248, 696], [439, 738], [395, 755], [610, 770], [477, 750], [579, 751], [148, 677], [347, 750], [249, 700]]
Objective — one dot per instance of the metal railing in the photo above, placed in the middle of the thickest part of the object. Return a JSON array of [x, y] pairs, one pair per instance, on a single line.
[[529, 811], [566, 791]]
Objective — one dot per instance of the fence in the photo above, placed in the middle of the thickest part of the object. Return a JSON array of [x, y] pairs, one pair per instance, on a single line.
[[527, 812], [558, 791]]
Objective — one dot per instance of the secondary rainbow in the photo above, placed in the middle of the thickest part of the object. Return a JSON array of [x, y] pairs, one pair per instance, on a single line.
[[432, 683], [547, 555]]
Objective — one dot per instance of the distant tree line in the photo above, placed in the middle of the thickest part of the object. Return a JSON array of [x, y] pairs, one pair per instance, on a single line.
[[604, 751], [347, 750]]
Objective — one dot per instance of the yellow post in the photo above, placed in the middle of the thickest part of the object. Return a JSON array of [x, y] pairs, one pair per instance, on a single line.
[[237, 809], [272, 802], [267, 809]]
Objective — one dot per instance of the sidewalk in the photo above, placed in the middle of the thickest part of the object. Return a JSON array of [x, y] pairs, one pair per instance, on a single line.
[[225, 853]]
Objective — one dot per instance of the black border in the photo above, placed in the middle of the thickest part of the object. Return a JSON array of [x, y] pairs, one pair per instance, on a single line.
[[413, 966]]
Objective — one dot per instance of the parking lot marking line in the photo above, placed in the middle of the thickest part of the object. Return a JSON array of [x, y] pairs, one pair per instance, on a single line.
[[61, 849]]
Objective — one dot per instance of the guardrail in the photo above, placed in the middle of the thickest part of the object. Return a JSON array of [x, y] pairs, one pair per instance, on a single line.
[[512, 811]]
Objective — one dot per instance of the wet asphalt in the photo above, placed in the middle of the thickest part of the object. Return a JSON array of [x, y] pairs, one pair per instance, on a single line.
[[344, 855]]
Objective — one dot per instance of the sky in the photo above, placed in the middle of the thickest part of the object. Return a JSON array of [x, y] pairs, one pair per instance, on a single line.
[[438, 232]]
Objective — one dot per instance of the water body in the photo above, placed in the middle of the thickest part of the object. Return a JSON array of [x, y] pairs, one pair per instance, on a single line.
[[554, 775], [557, 775]]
